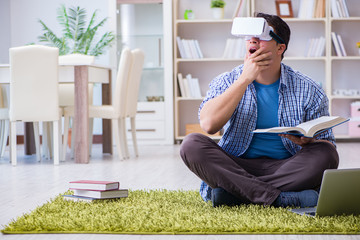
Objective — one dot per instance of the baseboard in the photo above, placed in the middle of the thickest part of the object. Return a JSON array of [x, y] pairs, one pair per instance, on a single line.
[[97, 139]]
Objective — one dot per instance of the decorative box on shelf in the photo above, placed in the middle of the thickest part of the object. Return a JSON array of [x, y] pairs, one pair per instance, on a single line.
[[355, 109], [354, 127]]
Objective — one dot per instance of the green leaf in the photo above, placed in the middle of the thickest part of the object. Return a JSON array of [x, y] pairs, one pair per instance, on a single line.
[[78, 36]]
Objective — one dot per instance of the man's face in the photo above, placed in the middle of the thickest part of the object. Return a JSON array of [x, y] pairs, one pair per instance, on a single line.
[[254, 44]]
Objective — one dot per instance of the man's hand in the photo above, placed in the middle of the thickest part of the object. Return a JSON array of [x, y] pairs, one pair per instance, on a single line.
[[255, 63], [302, 141]]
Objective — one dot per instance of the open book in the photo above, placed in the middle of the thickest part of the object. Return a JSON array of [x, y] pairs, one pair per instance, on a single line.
[[307, 129]]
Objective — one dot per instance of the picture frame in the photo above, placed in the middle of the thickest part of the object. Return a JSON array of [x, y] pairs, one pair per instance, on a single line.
[[284, 8]]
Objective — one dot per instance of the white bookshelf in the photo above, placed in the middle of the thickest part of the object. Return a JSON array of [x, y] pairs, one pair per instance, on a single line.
[[330, 71], [146, 24], [211, 35], [344, 72]]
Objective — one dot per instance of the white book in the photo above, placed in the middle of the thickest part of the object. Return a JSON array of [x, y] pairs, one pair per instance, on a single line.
[[345, 7], [236, 49], [192, 48], [242, 48], [334, 9], [307, 129], [306, 9], [227, 48], [186, 87], [340, 9], [237, 8], [341, 44], [198, 49], [310, 47], [315, 50], [191, 86], [196, 87], [233, 46], [336, 44], [322, 47], [181, 47], [101, 194], [181, 85], [301, 11], [187, 48], [240, 10]]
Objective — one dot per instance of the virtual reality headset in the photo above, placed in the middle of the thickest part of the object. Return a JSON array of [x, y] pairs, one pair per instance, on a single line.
[[250, 27]]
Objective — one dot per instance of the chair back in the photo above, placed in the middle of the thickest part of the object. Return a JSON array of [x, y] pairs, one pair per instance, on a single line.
[[134, 82], [122, 81], [34, 83]]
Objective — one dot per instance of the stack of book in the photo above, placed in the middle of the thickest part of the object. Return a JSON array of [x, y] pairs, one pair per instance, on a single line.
[[90, 190]]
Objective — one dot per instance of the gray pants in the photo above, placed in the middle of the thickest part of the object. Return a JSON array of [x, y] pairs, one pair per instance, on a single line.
[[258, 181]]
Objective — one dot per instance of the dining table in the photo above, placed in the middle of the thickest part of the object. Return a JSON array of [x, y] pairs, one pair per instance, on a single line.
[[81, 75]]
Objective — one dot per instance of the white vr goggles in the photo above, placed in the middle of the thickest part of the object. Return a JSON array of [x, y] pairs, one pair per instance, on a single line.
[[249, 27]]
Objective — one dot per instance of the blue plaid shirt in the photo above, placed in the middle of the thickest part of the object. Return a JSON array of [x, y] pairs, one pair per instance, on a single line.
[[300, 100]]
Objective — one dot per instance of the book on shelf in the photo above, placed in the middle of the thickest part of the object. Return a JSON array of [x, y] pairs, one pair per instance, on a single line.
[[189, 86], [320, 9], [335, 40], [307, 129], [194, 86], [99, 194], [341, 44], [181, 83], [234, 48], [339, 9], [189, 48], [94, 185], [181, 47], [240, 9], [312, 9], [316, 47]]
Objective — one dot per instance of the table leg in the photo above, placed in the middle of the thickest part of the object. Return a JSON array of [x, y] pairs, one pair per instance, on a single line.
[[106, 123], [81, 152], [29, 141]]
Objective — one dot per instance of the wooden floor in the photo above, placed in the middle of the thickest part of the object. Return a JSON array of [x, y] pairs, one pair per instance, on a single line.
[[31, 184]]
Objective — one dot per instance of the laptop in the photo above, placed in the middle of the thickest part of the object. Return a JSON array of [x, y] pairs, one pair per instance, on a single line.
[[339, 194]]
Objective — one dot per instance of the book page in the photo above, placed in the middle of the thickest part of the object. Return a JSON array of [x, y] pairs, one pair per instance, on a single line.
[[279, 130], [313, 126]]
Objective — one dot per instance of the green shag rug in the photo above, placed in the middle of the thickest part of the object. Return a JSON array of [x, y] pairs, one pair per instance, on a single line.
[[171, 212]]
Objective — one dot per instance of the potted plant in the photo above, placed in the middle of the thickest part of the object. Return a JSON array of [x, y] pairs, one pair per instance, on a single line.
[[78, 37], [358, 45], [217, 8]]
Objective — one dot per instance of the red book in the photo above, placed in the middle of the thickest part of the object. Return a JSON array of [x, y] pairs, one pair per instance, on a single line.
[[94, 185]]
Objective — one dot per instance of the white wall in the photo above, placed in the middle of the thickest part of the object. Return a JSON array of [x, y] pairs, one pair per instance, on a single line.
[[5, 31], [19, 24]]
